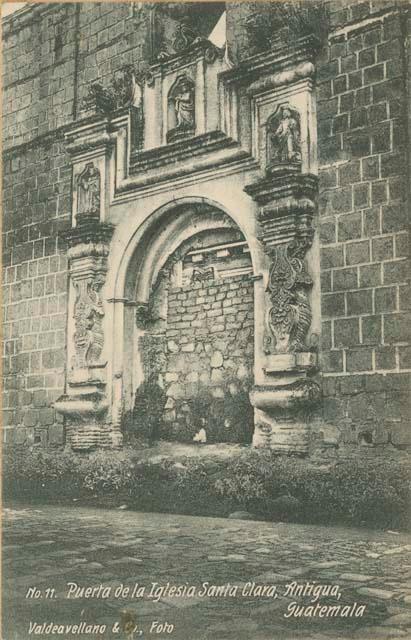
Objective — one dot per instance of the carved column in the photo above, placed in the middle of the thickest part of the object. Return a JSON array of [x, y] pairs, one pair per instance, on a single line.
[[287, 390]]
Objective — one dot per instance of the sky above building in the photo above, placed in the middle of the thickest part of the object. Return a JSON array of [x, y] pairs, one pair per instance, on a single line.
[[10, 7]]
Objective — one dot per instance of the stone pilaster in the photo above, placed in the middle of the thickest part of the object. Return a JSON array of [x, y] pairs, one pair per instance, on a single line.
[[84, 405]]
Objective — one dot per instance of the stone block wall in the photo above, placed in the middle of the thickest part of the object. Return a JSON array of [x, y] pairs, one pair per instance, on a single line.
[[39, 73], [210, 350], [36, 191], [364, 210], [51, 56]]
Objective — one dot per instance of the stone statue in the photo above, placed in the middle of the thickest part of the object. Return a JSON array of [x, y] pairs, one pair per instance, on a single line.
[[89, 190], [184, 105], [283, 136]]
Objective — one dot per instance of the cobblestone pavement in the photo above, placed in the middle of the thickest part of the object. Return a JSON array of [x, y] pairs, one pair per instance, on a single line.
[[47, 547]]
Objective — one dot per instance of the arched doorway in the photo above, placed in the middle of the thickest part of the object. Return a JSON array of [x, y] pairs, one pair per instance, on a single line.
[[189, 328]]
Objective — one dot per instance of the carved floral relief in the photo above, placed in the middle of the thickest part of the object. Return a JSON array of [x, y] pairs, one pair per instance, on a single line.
[[289, 316], [88, 319]]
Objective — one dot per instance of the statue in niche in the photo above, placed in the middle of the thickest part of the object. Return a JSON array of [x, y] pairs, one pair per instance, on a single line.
[[89, 190], [183, 96], [283, 136]]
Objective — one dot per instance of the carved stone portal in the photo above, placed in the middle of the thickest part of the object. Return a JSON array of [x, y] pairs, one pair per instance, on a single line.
[[283, 137], [89, 191], [289, 317]]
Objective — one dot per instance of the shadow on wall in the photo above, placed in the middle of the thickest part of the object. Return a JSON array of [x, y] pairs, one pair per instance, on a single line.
[[205, 418]]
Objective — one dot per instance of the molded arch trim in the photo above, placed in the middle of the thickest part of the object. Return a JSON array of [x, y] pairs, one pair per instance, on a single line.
[[160, 235]]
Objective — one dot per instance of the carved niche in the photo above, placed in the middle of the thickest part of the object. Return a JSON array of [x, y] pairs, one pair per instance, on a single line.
[[289, 316], [88, 191], [88, 319], [181, 99], [283, 135]]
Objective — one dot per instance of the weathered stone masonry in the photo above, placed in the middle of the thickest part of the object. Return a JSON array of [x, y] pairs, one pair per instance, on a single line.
[[364, 224], [210, 343], [301, 140]]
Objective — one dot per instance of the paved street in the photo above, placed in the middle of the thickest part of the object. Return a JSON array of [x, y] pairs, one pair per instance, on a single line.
[[58, 550]]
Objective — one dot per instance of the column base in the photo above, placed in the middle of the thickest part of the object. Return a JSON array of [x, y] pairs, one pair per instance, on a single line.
[[281, 434], [83, 437], [87, 427], [281, 415]]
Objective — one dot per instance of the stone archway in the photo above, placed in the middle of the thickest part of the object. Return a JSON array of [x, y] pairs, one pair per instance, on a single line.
[[189, 316]]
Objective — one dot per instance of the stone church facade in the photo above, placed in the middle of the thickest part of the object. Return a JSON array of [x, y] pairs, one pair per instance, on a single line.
[[226, 222]]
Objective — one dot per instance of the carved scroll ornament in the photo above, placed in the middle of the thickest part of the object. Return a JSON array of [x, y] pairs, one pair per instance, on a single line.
[[122, 92], [88, 318], [289, 316], [203, 275], [184, 37]]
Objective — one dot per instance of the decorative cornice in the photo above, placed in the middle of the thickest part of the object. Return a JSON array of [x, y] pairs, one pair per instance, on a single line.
[[301, 71], [88, 134], [269, 63], [89, 232], [285, 184], [289, 204], [302, 393], [87, 250], [199, 48], [179, 151]]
